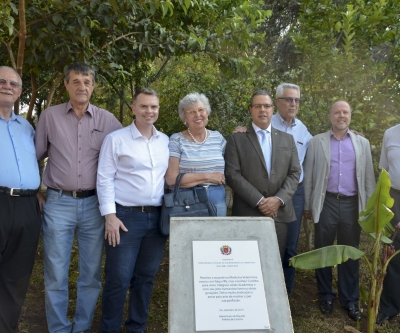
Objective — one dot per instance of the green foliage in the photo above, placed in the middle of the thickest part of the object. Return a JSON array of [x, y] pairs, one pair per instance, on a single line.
[[229, 98], [123, 46], [377, 213], [326, 257], [349, 50], [374, 218]]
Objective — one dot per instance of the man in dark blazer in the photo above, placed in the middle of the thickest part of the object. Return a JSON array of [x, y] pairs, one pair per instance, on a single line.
[[262, 168]]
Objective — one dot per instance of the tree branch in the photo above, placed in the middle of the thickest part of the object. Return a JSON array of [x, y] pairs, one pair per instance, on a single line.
[[33, 98], [10, 54], [155, 77], [51, 15], [112, 42]]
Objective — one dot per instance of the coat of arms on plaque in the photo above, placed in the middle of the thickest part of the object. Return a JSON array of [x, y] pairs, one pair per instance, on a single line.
[[226, 250]]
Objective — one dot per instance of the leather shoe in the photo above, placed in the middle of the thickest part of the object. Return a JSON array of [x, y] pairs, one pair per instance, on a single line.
[[326, 307], [381, 318], [353, 312]]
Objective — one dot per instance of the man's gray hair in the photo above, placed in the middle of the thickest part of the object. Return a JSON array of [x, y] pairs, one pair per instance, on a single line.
[[13, 70], [283, 86], [80, 68], [192, 99]]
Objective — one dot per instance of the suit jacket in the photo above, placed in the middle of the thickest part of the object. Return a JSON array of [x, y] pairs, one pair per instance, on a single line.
[[246, 173], [317, 168]]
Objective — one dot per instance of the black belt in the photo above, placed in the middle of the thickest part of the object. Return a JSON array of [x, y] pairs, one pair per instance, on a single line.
[[75, 194], [143, 209], [17, 192], [395, 190], [340, 196], [301, 183]]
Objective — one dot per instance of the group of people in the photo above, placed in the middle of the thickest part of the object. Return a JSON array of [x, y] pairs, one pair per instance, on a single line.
[[106, 183]]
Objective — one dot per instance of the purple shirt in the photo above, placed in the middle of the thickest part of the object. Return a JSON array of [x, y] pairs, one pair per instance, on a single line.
[[342, 175], [72, 145]]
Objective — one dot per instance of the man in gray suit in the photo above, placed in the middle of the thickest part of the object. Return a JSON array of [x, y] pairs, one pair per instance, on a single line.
[[262, 168], [338, 180]]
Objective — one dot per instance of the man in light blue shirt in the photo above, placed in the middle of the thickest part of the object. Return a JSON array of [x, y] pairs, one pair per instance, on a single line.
[[19, 209], [287, 102]]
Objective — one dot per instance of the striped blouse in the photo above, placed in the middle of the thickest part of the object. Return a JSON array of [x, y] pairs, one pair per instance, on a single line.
[[195, 158]]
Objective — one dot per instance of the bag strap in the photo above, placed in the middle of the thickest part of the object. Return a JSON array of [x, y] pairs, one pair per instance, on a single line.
[[178, 183]]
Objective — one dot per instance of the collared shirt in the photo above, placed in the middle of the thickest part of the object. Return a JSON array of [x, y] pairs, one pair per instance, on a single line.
[[390, 155], [19, 167], [342, 174], [300, 134], [132, 169], [258, 131], [72, 145]]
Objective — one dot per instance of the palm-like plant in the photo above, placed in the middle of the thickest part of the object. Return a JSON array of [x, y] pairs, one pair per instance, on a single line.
[[375, 220]]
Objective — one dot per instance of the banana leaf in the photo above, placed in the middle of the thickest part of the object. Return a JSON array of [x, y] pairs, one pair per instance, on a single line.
[[326, 256], [377, 213], [384, 239]]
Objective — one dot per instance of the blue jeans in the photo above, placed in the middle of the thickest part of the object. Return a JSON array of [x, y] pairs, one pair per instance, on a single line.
[[293, 238], [217, 195], [132, 264], [62, 216]]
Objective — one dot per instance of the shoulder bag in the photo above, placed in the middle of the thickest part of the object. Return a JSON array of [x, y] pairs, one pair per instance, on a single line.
[[191, 203]]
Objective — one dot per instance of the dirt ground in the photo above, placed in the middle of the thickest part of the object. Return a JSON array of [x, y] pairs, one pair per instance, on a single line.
[[303, 302]]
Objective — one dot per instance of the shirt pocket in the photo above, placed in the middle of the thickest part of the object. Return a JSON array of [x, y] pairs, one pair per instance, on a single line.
[[96, 139], [28, 143]]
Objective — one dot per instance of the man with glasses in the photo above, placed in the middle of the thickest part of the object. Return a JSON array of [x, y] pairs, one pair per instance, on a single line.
[[71, 135], [262, 168], [287, 102], [19, 209]]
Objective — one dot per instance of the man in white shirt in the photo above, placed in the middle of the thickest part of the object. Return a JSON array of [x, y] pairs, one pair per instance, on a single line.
[[130, 186], [390, 160]]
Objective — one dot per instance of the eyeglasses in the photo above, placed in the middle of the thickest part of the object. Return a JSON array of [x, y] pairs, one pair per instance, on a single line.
[[259, 106], [13, 84], [290, 99], [193, 112]]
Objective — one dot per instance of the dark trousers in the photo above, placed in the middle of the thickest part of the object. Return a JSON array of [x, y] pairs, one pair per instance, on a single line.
[[132, 265], [281, 229], [19, 236], [339, 218], [293, 234], [390, 298]]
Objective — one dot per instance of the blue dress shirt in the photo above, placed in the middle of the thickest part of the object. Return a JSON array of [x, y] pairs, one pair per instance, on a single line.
[[300, 134], [19, 167]]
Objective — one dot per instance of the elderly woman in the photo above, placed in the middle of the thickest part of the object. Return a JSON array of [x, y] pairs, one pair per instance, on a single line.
[[198, 152]]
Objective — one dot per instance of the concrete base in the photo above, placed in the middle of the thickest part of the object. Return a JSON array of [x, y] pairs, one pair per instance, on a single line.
[[181, 312]]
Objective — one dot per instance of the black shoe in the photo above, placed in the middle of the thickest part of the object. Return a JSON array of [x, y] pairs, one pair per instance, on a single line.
[[382, 318], [326, 307], [353, 312]]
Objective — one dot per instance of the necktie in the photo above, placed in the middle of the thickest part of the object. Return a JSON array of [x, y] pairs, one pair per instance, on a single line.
[[266, 149]]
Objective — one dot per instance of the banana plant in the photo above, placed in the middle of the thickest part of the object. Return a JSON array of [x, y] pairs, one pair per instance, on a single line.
[[374, 220]]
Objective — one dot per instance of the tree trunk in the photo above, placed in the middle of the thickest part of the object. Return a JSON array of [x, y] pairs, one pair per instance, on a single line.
[[21, 45], [53, 88], [33, 98], [121, 106]]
